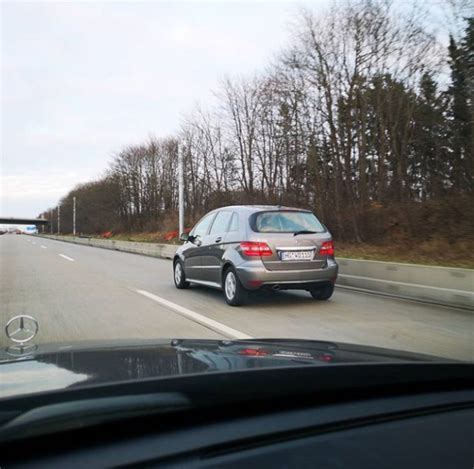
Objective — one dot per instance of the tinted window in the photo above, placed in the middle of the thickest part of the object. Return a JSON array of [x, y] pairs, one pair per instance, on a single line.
[[234, 223], [201, 228], [221, 223], [286, 222]]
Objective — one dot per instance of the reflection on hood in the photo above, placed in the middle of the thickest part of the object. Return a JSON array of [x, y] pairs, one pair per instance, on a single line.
[[57, 367]]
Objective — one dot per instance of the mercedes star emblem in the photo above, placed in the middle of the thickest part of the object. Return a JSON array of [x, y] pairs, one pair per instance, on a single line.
[[21, 329]]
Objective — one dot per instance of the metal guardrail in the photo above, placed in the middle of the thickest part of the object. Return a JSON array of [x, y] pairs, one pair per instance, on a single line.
[[439, 285]]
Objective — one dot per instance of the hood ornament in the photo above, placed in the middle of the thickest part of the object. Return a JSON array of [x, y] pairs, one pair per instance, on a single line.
[[21, 329]]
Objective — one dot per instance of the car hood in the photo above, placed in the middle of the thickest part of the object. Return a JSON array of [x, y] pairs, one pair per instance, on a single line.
[[43, 368]]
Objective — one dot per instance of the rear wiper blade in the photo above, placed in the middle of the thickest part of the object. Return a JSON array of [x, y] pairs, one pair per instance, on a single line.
[[304, 232]]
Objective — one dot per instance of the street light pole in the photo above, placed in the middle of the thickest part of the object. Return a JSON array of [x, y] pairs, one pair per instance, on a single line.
[[59, 219], [74, 216], [181, 191]]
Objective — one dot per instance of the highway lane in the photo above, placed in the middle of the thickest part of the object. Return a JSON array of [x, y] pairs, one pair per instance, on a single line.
[[83, 293], [73, 302]]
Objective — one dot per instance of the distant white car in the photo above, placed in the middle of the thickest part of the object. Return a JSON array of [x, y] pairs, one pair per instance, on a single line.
[[30, 230]]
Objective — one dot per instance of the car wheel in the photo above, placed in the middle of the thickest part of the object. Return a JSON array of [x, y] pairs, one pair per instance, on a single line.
[[179, 275], [234, 293], [322, 293]]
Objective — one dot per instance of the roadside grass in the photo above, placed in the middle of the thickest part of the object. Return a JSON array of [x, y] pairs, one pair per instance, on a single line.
[[146, 237], [438, 252]]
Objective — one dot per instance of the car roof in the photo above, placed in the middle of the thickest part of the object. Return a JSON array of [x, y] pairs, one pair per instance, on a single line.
[[260, 208]]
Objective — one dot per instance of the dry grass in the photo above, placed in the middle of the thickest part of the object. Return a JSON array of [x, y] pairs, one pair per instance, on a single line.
[[146, 237], [438, 252]]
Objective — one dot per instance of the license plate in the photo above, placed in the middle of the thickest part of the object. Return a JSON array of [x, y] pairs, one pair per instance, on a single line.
[[296, 255]]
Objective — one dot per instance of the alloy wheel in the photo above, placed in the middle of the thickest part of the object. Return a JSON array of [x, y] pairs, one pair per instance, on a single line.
[[230, 285]]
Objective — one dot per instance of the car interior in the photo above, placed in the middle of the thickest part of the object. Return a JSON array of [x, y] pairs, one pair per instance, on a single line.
[[332, 417]]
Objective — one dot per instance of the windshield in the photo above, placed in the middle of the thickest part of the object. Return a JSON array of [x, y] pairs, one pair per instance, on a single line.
[[198, 187]]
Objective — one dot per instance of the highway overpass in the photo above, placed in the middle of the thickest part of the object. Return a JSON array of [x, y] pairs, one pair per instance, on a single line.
[[23, 221]]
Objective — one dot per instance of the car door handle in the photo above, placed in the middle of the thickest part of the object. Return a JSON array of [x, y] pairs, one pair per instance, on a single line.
[[218, 240]]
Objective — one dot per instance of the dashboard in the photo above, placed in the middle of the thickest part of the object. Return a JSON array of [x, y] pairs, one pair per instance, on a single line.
[[432, 430]]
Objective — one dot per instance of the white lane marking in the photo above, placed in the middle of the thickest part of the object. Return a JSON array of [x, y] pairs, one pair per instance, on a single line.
[[34, 242], [196, 317], [66, 257], [43, 247]]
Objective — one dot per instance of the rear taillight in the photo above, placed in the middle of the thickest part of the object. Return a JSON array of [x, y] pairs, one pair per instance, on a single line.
[[255, 249], [327, 248]]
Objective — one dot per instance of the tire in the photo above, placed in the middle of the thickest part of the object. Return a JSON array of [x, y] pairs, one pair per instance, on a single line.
[[234, 293], [323, 293], [179, 276]]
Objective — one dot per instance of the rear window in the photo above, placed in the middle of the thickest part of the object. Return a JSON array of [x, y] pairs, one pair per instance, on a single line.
[[286, 222]]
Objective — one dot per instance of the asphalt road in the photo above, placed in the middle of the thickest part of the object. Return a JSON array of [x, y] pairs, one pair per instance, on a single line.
[[83, 293]]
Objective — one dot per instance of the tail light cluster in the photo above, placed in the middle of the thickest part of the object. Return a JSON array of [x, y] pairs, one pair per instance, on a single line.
[[253, 249], [327, 248]]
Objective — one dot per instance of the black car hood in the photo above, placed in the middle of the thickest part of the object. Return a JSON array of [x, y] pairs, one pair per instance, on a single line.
[[43, 368]]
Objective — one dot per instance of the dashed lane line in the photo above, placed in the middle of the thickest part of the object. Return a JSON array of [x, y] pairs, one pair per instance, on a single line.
[[66, 257]]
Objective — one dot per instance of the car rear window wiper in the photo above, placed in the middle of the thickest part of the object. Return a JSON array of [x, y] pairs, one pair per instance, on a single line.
[[304, 232]]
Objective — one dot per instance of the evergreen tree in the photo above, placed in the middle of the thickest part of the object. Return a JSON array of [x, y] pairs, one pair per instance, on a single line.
[[461, 110], [430, 165]]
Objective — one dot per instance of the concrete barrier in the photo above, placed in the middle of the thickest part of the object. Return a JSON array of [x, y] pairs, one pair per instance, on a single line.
[[440, 285], [165, 251]]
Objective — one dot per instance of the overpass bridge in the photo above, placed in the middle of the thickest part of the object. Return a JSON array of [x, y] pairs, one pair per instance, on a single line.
[[23, 221]]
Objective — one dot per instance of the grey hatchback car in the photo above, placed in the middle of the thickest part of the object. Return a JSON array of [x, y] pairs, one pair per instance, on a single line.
[[249, 247]]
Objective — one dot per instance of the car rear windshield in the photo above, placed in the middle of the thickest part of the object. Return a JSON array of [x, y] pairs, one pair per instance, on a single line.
[[286, 222]]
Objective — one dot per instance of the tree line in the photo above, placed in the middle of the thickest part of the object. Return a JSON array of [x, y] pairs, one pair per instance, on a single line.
[[364, 118]]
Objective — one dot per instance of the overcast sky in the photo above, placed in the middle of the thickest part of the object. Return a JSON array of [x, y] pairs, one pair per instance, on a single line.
[[80, 80]]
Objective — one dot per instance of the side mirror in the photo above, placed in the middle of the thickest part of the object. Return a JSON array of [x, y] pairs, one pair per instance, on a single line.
[[184, 237]]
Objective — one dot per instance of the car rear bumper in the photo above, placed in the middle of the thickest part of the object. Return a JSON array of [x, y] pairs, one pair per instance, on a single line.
[[254, 275]]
